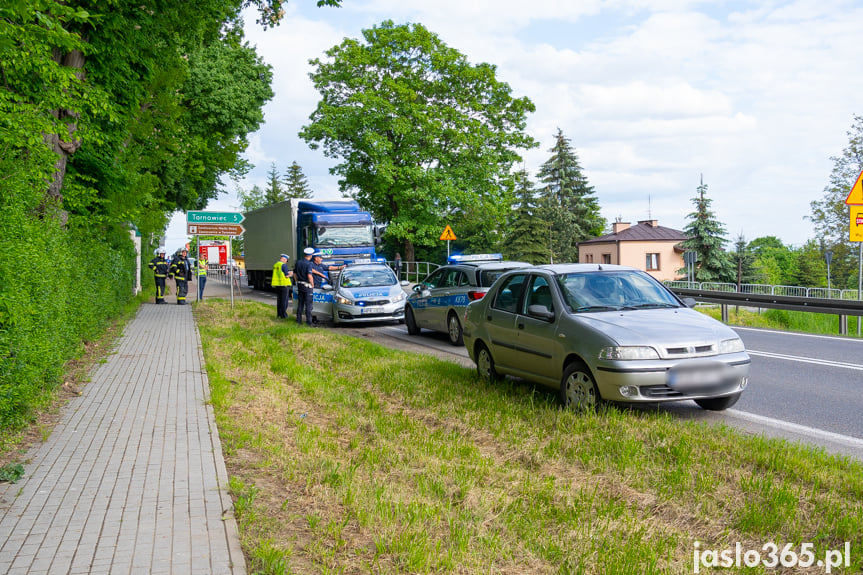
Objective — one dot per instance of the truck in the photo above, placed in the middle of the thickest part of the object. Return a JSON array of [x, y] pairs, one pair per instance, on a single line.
[[338, 229]]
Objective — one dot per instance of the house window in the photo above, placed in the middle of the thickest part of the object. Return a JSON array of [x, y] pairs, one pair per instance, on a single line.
[[651, 262], [588, 258], [606, 258]]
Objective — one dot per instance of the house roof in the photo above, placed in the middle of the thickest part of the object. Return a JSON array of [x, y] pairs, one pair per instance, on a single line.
[[646, 231]]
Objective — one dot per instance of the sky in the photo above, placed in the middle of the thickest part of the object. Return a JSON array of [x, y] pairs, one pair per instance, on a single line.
[[755, 98]]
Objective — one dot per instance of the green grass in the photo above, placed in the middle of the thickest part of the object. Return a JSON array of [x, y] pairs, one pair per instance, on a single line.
[[347, 457], [800, 321]]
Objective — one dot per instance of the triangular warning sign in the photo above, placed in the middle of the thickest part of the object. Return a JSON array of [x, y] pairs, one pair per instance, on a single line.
[[855, 198], [449, 235]]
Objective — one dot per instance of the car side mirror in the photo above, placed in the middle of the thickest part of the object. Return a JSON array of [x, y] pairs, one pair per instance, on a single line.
[[327, 287], [540, 312], [404, 283], [689, 302], [418, 288]]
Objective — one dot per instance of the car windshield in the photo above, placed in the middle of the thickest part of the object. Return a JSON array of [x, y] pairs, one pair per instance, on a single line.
[[335, 236], [367, 277], [613, 290]]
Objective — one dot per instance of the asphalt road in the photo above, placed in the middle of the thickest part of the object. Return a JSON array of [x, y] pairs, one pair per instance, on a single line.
[[803, 388]]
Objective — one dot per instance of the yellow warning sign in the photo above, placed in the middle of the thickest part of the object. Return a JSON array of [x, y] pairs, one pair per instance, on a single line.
[[855, 198], [449, 235], [856, 226]]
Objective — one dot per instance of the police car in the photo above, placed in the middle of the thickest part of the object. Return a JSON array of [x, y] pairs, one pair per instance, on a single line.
[[437, 303], [368, 291]]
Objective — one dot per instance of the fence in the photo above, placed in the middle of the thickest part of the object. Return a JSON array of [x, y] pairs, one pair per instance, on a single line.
[[763, 289]]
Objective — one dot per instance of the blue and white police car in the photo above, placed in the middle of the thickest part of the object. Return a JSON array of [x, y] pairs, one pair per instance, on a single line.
[[368, 291], [437, 303]]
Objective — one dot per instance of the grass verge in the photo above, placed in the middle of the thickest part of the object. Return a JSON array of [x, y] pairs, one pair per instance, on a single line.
[[347, 457]]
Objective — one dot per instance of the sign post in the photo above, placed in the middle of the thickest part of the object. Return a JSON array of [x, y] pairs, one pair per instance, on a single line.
[[217, 224], [447, 235]]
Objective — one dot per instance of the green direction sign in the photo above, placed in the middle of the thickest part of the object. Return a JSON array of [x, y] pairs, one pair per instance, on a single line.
[[214, 217]]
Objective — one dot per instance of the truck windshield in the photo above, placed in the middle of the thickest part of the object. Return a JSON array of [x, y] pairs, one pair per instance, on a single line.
[[337, 237]]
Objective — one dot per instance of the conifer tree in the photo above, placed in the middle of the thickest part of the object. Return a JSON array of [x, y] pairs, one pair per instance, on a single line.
[[274, 192], [527, 240], [568, 201], [296, 184], [706, 236]]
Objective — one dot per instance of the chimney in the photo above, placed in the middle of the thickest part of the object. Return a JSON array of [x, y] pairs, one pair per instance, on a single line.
[[651, 223], [619, 227]]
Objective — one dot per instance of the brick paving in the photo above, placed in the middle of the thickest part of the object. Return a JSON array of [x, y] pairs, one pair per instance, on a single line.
[[132, 479]]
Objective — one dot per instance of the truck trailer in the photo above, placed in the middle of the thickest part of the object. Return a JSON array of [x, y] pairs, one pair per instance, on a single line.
[[337, 228]]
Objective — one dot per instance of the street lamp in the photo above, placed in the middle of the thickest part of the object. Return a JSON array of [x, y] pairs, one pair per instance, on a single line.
[[828, 255]]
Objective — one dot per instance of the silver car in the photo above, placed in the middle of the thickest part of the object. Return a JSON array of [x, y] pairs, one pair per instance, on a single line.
[[439, 300], [368, 292], [604, 332]]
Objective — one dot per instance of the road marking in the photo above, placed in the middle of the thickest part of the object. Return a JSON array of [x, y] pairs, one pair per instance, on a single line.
[[798, 334], [827, 362], [799, 429]]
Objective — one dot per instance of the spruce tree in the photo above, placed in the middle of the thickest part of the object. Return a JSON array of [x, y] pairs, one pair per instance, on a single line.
[[527, 240], [296, 184], [274, 192], [706, 236], [568, 202]]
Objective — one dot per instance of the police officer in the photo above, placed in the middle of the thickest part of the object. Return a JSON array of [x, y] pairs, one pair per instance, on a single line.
[[201, 266], [160, 272], [319, 270], [281, 282], [305, 287], [181, 271]]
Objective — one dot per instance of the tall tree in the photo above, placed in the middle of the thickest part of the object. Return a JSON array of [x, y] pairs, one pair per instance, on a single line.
[[422, 135], [830, 214], [527, 239], [706, 236], [776, 262], [569, 204], [252, 200], [273, 194], [296, 184], [744, 263]]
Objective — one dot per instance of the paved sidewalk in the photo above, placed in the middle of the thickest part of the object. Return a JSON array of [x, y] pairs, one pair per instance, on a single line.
[[132, 480]]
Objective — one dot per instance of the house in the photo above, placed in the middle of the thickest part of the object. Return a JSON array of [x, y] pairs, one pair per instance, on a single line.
[[646, 245]]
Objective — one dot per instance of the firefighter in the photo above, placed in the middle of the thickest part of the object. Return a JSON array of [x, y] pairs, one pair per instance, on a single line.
[[181, 271], [160, 272]]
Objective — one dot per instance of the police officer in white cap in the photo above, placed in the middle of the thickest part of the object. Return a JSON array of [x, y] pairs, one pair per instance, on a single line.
[[305, 287]]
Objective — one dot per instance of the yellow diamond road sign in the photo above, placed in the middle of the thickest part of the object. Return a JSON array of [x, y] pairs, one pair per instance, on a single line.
[[447, 234], [855, 198]]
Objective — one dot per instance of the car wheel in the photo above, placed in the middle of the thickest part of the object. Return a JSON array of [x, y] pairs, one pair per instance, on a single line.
[[485, 364], [718, 403], [454, 330], [411, 322], [577, 388]]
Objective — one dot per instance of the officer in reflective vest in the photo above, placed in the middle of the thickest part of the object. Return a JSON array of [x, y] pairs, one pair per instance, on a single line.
[[159, 265], [202, 276], [281, 283]]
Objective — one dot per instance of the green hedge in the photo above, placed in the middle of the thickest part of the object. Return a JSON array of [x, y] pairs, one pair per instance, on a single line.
[[59, 287]]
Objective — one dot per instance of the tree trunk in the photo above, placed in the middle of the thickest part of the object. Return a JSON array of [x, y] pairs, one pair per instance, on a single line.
[[63, 140]]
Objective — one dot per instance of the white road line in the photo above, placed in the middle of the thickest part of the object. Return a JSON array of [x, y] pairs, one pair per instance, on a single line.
[[827, 362], [799, 429], [797, 334]]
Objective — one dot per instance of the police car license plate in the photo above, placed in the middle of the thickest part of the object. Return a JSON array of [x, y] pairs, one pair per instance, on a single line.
[[373, 309]]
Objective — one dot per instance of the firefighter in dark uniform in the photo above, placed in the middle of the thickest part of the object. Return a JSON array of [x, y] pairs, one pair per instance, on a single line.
[[159, 265], [181, 271]]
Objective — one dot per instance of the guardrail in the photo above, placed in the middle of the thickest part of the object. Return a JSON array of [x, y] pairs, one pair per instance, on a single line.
[[704, 292], [765, 289]]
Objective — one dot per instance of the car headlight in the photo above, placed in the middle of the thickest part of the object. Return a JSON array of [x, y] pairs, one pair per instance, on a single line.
[[400, 297], [731, 345], [628, 352], [343, 300]]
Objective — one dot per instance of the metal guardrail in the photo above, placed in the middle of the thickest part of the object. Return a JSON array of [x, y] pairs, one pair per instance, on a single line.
[[843, 306], [414, 271], [765, 289]]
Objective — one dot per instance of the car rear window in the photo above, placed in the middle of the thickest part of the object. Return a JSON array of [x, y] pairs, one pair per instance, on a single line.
[[487, 277]]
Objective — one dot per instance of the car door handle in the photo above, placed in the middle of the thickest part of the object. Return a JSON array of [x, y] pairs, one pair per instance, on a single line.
[[488, 318], [521, 326]]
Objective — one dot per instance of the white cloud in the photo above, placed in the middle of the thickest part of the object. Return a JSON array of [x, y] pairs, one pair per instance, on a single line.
[[652, 93]]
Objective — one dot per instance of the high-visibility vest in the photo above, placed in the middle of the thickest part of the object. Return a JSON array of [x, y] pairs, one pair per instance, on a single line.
[[202, 267], [279, 277]]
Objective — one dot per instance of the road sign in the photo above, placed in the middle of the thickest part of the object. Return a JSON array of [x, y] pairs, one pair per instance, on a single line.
[[447, 234], [856, 224], [855, 198], [214, 217], [214, 229]]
